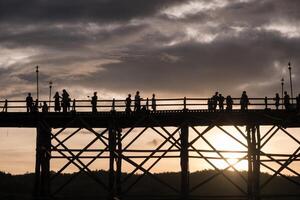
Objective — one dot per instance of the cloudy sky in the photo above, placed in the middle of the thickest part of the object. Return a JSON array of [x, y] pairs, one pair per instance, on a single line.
[[170, 47]]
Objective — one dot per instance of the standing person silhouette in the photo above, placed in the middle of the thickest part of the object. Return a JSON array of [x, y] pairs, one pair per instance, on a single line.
[[286, 100], [277, 101], [65, 101], [57, 107], [137, 102], [128, 104], [29, 103], [229, 103], [215, 100], [36, 106], [221, 102], [94, 102], [45, 107], [244, 101], [153, 103]]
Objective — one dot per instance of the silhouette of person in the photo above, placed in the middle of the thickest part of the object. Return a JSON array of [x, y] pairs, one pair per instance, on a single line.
[[209, 104], [229, 103], [214, 102], [128, 104], [153, 103], [36, 106], [221, 102], [65, 101], [94, 102], [244, 101], [29, 103], [57, 102], [298, 102], [137, 102], [286, 100], [45, 107], [277, 101]]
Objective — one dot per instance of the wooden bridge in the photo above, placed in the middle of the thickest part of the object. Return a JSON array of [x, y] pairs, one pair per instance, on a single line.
[[177, 122]]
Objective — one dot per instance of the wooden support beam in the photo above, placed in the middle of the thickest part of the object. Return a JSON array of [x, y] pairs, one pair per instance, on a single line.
[[37, 173], [184, 162], [119, 163], [254, 146], [250, 162], [42, 165], [112, 149]]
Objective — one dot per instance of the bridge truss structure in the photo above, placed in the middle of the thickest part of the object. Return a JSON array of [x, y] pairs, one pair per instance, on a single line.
[[135, 146]]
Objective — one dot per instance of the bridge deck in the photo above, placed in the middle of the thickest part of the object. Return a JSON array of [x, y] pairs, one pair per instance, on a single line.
[[147, 119]]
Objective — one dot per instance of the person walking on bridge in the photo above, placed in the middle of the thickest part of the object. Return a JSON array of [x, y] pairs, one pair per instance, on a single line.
[[29, 103], [286, 101], [94, 102], [153, 103], [277, 101], [57, 107], [244, 101], [137, 102], [65, 101], [45, 107], [229, 103], [221, 102], [128, 104], [215, 100], [36, 106]]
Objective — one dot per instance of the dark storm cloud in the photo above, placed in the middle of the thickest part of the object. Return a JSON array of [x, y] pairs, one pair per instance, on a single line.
[[57, 37], [229, 48], [223, 64], [86, 10]]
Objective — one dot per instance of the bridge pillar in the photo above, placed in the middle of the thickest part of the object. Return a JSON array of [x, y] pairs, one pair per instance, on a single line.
[[115, 163], [42, 162], [184, 162], [119, 163], [112, 156], [253, 140]]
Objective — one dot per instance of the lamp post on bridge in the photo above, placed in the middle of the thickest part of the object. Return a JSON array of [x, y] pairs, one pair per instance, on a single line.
[[282, 83], [291, 84], [37, 81], [50, 88]]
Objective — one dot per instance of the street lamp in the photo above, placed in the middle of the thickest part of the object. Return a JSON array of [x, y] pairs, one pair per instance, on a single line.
[[291, 84], [282, 83], [50, 88], [37, 81]]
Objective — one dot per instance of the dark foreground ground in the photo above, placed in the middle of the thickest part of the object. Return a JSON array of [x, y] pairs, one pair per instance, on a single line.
[[83, 187]]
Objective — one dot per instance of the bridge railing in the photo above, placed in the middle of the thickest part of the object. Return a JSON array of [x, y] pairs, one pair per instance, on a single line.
[[161, 104]]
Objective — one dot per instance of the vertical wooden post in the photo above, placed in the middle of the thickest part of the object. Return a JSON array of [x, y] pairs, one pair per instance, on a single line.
[[250, 166], [112, 149], [42, 163], [119, 163], [256, 167], [184, 162], [45, 160], [253, 140], [37, 165]]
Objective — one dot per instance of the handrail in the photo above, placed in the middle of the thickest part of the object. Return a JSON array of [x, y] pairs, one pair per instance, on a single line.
[[162, 104]]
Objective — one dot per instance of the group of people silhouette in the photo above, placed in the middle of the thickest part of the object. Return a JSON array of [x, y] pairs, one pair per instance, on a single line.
[[137, 103], [218, 99], [63, 102], [59, 102]]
